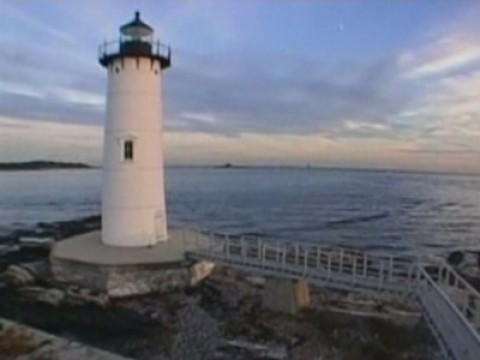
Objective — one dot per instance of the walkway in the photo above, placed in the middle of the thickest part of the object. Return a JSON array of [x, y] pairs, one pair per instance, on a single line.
[[449, 304]]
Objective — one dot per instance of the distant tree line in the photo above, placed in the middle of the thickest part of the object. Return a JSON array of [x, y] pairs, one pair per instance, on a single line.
[[41, 165]]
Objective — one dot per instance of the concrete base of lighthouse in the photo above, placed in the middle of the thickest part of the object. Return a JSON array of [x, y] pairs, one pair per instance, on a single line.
[[117, 271]]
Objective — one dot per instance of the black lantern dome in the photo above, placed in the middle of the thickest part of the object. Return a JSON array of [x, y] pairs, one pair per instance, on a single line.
[[136, 40], [136, 28]]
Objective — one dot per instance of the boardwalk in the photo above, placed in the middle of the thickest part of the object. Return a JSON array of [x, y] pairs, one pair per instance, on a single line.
[[448, 303]]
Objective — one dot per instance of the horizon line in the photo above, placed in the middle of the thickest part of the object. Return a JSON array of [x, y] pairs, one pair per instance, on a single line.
[[233, 166]]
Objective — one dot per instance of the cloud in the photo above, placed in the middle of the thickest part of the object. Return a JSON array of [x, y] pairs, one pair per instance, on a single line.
[[48, 140], [231, 92], [314, 149], [449, 62], [50, 107], [80, 97], [442, 151], [445, 112], [201, 117], [20, 89], [364, 126], [443, 56], [235, 92], [252, 97], [441, 76], [33, 23]]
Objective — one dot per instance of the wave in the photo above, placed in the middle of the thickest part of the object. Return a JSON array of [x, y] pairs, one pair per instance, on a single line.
[[445, 206], [385, 247], [358, 219]]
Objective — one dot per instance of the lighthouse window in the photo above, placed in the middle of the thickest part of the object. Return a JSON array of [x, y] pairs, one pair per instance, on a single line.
[[128, 150]]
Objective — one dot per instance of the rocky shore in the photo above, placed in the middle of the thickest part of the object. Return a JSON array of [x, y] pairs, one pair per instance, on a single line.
[[26, 343], [220, 318]]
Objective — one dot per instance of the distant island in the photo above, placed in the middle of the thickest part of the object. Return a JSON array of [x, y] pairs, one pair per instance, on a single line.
[[42, 165], [231, 166], [225, 166]]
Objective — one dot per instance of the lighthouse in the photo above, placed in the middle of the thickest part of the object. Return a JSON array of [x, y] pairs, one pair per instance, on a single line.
[[133, 191], [130, 255]]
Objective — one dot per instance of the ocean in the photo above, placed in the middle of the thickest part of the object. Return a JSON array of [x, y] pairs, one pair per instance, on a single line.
[[388, 211]]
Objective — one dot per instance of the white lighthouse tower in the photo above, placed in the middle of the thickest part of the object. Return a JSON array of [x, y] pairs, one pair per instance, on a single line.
[[133, 195], [131, 254]]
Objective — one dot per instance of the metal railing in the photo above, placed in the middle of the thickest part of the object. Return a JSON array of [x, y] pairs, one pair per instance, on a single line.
[[114, 47], [452, 323], [462, 294], [322, 265], [449, 304]]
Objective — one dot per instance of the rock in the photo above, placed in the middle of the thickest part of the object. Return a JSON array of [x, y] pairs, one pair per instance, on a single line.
[[54, 297], [24, 343], [474, 257], [255, 280], [275, 352], [200, 271], [455, 258], [198, 334], [4, 249], [16, 275], [31, 241], [26, 273], [65, 229], [228, 294], [38, 269], [469, 265], [75, 296]]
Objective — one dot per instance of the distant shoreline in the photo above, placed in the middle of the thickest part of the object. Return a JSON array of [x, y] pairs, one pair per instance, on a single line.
[[59, 165], [325, 168], [42, 165]]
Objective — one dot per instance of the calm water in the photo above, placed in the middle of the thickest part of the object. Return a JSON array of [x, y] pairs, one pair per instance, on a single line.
[[391, 211]]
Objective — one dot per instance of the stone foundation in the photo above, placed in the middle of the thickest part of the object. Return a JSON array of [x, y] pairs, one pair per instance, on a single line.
[[125, 280], [285, 295], [121, 272]]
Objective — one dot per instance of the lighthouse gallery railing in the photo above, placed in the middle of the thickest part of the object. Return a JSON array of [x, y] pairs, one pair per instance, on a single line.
[[110, 48]]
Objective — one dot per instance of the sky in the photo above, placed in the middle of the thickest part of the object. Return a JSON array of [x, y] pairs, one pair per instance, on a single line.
[[367, 84]]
